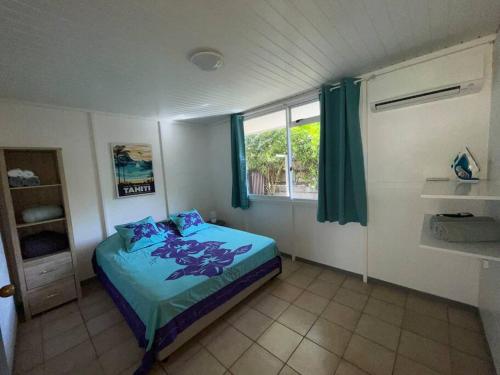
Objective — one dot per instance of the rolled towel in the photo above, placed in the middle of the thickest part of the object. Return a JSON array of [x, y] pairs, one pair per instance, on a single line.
[[467, 231], [27, 173], [31, 181], [15, 181], [15, 173], [41, 213]]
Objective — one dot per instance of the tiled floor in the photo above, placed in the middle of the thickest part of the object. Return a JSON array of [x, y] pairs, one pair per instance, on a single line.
[[310, 320]]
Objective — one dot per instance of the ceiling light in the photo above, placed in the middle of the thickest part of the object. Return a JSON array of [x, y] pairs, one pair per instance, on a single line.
[[207, 60]]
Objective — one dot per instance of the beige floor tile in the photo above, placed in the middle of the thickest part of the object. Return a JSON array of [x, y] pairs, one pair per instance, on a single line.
[[405, 366], [334, 277], [356, 284], [121, 357], [207, 335], [426, 326], [104, 321], [287, 292], [228, 345], [323, 288], [464, 364], [369, 356], [350, 298], [427, 306], [91, 368], [257, 361], [342, 315], [236, 312], [299, 280], [390, 294], [469, 342], [252, 323], [309, 358], [74, 358], [384, 311], [465, 319], [255, 297], [59, 312], [31, 326], [28, 359], [346, 368], [280, 341], [379, 331], [93, 298], [90, 311], [111, 337], [330, 336], [56, 327], [288, 264], [310, 270], [29, 340], [60, 343], [156, 370], [311, 302], [297, 319], [202, 363], [181, 356], [287, 370], [425, 351], [271, 306]]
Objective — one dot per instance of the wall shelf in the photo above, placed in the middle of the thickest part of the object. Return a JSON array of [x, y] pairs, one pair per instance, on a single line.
[[482, 190], [34, 187], [481, 250], [25, 225]]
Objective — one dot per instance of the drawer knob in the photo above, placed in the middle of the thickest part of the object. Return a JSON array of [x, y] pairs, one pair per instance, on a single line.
[[7, 291], [52, 295], [43, 272]]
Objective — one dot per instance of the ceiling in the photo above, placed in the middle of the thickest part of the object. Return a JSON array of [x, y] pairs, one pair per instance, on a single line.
[[130, 56]]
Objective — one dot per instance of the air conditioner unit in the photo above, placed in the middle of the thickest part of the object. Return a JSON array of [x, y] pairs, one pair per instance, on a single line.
[[443, 92]]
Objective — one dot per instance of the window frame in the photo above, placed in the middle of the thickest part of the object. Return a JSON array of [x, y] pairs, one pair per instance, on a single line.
[[289, 124]]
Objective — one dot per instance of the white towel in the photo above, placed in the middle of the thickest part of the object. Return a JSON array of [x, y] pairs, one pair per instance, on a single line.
[[27, 173], [15, 173]]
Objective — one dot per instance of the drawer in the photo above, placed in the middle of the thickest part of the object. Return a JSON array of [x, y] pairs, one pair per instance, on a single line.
[[40, 272], [52, 295]]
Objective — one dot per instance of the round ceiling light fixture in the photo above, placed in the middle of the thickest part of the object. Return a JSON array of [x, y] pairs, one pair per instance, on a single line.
[[207, 60]]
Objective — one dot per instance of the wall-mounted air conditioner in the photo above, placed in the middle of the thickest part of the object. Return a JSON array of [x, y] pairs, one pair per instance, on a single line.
[[431, 95], [456, 74]]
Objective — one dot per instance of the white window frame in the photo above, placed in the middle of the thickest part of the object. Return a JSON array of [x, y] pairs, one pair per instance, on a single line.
[[289, 124]]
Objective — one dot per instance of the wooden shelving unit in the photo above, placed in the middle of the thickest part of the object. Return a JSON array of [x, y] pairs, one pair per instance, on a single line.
[[483, 190], [49, 280]]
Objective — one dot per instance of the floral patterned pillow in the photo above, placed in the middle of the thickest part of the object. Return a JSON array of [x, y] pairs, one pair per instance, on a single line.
[[188, 222], [140, 234], [168, 229]]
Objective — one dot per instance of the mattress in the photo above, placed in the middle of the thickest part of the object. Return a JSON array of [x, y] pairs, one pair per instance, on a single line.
[[162, 281]]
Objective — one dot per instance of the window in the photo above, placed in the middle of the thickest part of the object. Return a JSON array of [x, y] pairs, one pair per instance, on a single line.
[[282, 150]]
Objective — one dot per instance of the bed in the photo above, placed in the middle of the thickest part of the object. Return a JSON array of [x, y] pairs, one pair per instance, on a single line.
[[170, 291]]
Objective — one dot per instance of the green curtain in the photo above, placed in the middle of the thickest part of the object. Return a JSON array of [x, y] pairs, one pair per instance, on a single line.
[[341, 188], [238, 163]]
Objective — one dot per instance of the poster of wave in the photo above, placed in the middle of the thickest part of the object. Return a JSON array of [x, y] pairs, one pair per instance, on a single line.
[[133, 169]]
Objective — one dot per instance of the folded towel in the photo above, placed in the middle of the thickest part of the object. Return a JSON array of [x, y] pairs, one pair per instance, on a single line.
[[41, 213], [467, 231], [15, 173], [31, 181], [27, 173], [15, 181], [464, 219]]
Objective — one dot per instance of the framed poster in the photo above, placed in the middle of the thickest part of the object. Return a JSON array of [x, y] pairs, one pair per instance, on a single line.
[[133, 169]]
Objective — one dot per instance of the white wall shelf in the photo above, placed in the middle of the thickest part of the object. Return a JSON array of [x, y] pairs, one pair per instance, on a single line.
[[482, 190], [481, 250]]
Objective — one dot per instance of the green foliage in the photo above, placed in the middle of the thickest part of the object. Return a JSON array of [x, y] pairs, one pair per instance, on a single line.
[[266, 154]]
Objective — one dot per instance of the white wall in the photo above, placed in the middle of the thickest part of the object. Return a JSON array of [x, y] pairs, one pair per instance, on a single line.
[[404, 147], [489, 290], [110, 129], [185, 147], [31, 126]]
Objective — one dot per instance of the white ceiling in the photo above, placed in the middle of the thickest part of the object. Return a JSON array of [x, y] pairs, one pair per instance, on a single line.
[[130, 56]]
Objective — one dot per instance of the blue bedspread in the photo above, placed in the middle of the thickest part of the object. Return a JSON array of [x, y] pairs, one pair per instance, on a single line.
[[163, 280]]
